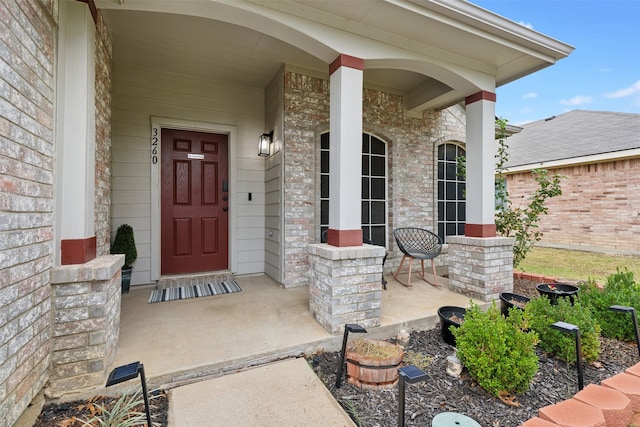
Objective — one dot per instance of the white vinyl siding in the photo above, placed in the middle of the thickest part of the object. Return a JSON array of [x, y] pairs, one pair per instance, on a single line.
[[140, 94]]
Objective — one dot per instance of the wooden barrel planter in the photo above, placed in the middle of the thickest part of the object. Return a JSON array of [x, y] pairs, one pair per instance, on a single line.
[[373, 364], [450, 316], [508, 300], [555, 290]]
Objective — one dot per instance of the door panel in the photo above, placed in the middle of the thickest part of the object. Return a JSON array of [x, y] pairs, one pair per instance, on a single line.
[[194, 215]]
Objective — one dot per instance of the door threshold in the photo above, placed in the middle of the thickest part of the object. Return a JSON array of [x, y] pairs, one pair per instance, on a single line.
[[189, 279]]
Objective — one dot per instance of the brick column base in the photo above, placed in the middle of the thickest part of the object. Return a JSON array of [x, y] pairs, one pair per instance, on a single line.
[[481, 268], [346, 285], [86, 324]]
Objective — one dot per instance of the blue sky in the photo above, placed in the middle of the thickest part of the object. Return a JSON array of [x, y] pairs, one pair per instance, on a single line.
[[602, 73]]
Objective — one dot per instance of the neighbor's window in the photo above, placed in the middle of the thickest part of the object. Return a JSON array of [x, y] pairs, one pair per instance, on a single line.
[[451, 192], [374, 188]]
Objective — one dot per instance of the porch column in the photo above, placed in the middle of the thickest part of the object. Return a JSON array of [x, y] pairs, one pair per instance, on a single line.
[[345, 151], [75, 188], [481, 165], [481, 264]]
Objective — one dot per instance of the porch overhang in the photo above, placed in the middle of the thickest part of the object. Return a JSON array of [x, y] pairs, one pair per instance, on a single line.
[[442, 52]]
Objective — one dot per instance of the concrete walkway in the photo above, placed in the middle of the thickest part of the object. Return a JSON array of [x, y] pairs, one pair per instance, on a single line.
[[216, 354], [286, 393]]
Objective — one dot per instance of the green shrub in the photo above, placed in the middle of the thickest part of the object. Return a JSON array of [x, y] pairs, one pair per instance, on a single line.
[[540, 314], [124, 243], [621, 289], [496, 350]]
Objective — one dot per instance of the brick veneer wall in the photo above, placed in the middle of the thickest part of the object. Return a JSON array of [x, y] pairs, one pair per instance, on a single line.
[[27, 101], [27, 117], [411, 142], [103, 138], [86, 324], [346, 286], [599, 208]]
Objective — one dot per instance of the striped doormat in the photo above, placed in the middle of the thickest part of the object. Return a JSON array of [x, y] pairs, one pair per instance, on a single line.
[[194, 291]]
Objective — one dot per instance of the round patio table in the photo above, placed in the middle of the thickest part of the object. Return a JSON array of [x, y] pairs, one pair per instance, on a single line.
[[452, 419]]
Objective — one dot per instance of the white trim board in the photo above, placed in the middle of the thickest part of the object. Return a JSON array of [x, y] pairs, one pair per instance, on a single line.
[[158, 123]]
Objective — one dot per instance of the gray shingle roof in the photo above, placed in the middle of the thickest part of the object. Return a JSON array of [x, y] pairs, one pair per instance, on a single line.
[[574, 134]]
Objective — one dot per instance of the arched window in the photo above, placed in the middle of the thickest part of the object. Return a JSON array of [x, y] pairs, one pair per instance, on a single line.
[[374, 188], [451, 192]]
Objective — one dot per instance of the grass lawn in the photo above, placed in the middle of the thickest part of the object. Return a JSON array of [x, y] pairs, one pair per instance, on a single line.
[[578, 265]]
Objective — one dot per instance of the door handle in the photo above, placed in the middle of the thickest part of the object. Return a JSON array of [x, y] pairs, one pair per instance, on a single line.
[[225, 209], [225, 186]]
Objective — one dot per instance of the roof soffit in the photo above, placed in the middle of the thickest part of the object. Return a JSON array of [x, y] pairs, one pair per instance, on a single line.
[[481, 49]]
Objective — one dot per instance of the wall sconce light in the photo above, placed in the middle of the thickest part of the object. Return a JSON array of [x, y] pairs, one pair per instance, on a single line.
[[264, 142], [625, 309], [349, 327], [575, 330], [129, 372]]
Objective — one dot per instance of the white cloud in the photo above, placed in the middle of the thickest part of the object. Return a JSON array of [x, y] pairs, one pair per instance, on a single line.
[[623, 93], [530, 95], [576, 101], [526, 24]]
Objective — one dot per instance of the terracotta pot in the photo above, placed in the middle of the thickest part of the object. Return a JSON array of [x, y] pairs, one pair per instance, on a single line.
[[555, 290], [372, 373], [507, 301], [448, 315]]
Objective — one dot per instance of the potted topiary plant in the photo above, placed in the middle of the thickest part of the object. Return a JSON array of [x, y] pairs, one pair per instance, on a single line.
[[124, 243]]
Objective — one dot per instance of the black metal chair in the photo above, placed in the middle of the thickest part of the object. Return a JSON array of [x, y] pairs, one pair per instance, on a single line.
[[417, 243]]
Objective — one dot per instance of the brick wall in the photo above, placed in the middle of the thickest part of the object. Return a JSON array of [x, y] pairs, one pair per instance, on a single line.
[[410, 148], [346, 286], [27, 89], [85, 324], [103, 138], [599, 208]]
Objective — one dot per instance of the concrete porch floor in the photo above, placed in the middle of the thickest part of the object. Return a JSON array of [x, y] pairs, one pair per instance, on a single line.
[[181, 342]]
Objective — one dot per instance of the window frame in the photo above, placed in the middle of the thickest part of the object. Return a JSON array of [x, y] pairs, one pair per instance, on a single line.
[[444, 186], [323, 195]]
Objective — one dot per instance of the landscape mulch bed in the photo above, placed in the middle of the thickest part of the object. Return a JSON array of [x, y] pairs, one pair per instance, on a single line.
[[73, 414], [554, 382]]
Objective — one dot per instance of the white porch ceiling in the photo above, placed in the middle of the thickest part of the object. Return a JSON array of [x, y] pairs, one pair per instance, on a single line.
[[207, 49], [451, 30]]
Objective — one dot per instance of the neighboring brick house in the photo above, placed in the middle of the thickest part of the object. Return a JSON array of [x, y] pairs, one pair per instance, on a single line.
[[106, 105], [599, 154]]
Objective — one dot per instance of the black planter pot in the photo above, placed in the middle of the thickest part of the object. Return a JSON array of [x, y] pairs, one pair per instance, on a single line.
[[126, 279], [445, 314], [507, 301], [555, 290]]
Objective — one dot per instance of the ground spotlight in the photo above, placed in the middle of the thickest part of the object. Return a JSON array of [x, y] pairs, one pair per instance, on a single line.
[[129, 372], [349, 327], [575, 330], [625, 309], [407, 374]]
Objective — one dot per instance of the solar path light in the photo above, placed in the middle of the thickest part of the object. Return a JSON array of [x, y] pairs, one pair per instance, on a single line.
[[129, 372], [575, 330], [408, 374], [349, 327], [624, 309]]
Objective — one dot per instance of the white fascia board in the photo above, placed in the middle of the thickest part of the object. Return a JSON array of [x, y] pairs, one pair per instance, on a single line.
[[574, 161], [494, 24]]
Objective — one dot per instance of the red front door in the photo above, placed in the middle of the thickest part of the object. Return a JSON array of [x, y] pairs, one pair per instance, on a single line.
[[194, 214]]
